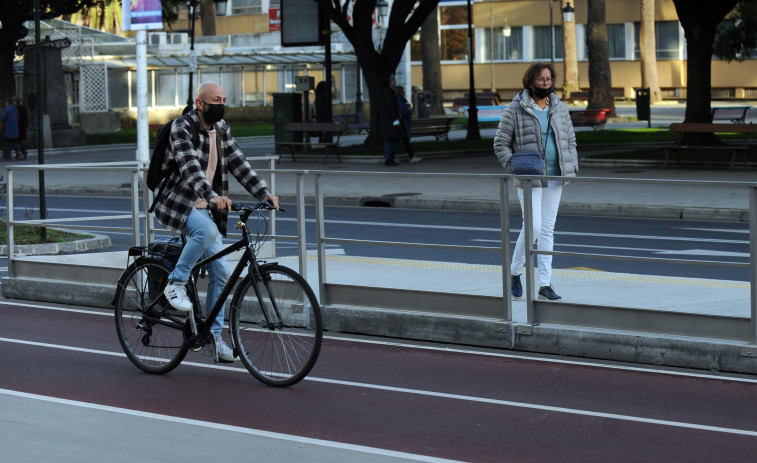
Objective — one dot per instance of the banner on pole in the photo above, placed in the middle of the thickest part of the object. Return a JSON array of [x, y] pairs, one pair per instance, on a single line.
[[141, 14]]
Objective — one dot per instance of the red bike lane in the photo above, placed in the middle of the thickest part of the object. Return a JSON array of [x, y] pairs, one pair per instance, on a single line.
[[424, 400]]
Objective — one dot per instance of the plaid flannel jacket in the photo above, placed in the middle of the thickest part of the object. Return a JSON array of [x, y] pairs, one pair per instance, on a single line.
[[188, 183]]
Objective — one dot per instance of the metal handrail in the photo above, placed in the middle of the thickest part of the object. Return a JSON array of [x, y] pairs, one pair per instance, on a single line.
[[139, 193]]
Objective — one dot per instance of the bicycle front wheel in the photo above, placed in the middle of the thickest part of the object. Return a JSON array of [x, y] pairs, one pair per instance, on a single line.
[[278, 331], [150, 331]]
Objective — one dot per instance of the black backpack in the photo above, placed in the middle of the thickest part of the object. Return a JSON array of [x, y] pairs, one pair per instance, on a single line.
[[155, 173]]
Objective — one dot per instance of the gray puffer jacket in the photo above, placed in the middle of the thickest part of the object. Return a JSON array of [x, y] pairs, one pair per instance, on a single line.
[[519, 130]]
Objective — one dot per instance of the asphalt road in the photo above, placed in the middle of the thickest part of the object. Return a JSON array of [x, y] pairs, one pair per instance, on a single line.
[[67, 393], [686, 240]]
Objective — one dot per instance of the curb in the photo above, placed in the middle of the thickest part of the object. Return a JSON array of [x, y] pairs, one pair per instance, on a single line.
[[66, 247]]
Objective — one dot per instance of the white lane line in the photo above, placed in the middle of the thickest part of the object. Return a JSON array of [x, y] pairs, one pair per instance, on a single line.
[[442, 395], [432, 348], [238, 429]]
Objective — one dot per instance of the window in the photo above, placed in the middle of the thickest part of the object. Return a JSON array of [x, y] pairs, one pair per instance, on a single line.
[[616, 37], [453, 32], [667, 38], [493, 46], [245, 6], [166, 89], [543, 44], [514, 44], [118, 88], [415, 50]]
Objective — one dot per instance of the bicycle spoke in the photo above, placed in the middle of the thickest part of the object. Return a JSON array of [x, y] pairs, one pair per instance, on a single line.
[[279, 333], [149, 330]]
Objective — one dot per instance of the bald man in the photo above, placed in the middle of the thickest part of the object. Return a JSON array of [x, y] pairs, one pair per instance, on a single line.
[[202, 178]]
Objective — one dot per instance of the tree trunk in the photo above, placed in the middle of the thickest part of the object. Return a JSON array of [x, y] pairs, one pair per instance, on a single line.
[[208, 17], [431, 58], [600, 79], [699, 19], [570, 57], [8, 37], [405, 18], [649, 52]]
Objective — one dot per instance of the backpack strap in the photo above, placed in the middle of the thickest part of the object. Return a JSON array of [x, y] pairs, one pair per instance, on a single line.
[[195, 141]]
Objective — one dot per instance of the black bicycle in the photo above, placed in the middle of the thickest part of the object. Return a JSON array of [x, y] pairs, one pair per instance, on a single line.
[[274, 316]]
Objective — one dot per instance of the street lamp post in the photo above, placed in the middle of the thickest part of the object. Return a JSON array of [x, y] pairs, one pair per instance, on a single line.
[[474, 132], [505, 32], [192, 53], [551, 36]]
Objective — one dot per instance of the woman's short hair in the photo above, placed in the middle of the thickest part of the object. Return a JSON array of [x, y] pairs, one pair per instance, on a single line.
[[534, 71]]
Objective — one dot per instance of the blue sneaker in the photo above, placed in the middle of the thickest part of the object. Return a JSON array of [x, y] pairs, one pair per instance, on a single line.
[[515, 287], [547, 293]]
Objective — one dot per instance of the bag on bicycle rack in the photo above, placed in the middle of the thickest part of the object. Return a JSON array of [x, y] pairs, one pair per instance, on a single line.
[[168, 248]]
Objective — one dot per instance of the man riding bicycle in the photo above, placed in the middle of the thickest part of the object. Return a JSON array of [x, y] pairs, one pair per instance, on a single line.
[[200, 177]]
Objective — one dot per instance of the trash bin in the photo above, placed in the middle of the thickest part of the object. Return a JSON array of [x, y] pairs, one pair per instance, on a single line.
[[287, 107], [423, 104], [642, 104]]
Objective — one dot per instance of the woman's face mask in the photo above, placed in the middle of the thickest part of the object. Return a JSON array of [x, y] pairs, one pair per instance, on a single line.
[[542, 92]]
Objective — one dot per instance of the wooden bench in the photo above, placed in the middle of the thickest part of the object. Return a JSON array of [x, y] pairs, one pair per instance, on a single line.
[[308, 130], [482, 99], [682, 128], [354, 121], [595, 118], [736, 114], [576, 96], [439, 127]]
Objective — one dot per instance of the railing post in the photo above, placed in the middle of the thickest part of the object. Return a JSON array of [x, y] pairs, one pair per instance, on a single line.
[[753, 261], [528, 242], [9, 205], [135, 234], [302, 245], [320, 233], [272, 181], [504, 224]]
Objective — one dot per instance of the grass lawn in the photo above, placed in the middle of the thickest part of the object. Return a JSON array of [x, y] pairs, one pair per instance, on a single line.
[[584, 138], [31, 235]]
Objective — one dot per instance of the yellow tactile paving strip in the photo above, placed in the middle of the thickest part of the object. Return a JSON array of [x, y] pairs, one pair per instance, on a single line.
[[583, 272]]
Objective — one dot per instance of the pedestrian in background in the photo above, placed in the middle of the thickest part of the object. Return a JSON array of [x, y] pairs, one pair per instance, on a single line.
[[389, 122], [23, 122], [537, 120], [10, 132], [406, 113]]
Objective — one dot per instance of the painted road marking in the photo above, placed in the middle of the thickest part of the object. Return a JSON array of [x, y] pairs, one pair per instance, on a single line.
[[439, 395]]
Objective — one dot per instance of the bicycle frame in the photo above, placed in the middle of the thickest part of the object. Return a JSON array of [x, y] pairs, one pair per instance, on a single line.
[[248, 258]]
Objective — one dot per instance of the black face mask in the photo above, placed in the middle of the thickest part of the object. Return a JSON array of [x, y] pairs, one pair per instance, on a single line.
[[542, 92], [214, 113]]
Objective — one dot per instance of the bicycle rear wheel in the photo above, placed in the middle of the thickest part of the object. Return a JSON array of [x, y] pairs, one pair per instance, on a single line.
[[150, 331], [279, 340]]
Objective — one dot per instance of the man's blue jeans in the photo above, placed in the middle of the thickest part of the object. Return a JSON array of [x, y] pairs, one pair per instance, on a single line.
[[203, 240]]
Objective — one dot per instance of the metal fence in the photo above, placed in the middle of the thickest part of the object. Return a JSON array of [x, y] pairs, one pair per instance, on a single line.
[[334, 293]]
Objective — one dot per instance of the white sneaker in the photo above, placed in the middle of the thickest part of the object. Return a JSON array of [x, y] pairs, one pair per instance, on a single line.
[[176, 293], [222, 351], [415, 159]]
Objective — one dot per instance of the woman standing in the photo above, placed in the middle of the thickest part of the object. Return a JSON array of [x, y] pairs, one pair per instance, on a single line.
[[537, 120]]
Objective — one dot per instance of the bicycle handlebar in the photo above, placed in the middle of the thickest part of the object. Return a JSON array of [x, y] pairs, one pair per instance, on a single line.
[[240, 207]]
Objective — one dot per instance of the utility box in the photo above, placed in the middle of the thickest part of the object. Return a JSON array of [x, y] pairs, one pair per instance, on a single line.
[[287, 107], [643, 113], [304, 83]]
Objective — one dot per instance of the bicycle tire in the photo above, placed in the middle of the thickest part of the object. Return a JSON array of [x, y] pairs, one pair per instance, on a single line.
[[282, 351], [150, 331]]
